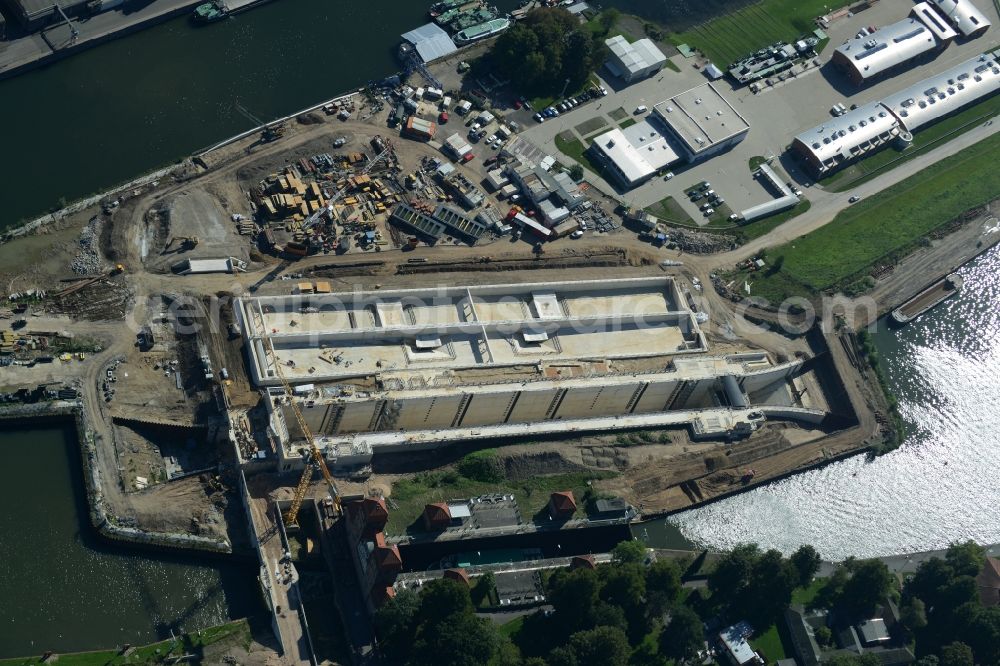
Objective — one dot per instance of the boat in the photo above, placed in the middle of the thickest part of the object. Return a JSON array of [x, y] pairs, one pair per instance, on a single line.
[[937, 293], [210, 12], [471, 19], [482, 31], [439, 8]]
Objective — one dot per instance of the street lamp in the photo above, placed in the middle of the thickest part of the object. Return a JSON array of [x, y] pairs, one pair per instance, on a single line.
[[565, 85]]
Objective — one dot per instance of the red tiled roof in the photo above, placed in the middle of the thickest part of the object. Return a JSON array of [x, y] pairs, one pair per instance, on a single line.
[[582, 562], [988, 582], [563, 501], [437, 512], [386, 556], [375, 510], [458, 575]]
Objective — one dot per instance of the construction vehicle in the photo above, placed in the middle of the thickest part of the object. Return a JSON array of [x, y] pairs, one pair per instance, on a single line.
[[269, 131], [316, 459], [187, 243]]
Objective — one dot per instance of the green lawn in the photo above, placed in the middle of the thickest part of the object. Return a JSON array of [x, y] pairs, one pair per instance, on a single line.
[[805, 595], [668, 210], [924, 140], [628, 122], [574, 149], [732, 36], [886, 226], [238, 632], [409, 496], [591, 126], [769, 645]]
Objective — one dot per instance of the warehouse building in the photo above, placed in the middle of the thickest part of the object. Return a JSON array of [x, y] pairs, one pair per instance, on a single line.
[[33, 14], [420, 368], [860, 132], [868, 57], [947, 92], [842, 140], [702, 121], [691, 126], [635, 61], [429, 41], [964, 16], [634, 154]]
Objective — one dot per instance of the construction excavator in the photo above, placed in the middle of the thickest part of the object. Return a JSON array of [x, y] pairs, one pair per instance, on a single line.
[[186, 243], [316, 459]]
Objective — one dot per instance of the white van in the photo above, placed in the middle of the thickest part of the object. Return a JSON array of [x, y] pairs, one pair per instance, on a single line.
[[640, 109]]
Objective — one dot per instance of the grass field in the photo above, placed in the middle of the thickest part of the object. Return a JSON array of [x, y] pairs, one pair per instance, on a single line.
[[668, 210], [628, 122], [924, 140], [885, 226], [238, 632], [574, 149], [769, 645], [732, 36]]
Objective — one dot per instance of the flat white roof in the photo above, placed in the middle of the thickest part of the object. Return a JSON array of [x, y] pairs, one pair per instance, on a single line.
[[701, 117], [638, 151], [887, 47], [209, 266]]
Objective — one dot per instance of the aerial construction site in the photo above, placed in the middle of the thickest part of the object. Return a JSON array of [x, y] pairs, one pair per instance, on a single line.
[[283, 331]]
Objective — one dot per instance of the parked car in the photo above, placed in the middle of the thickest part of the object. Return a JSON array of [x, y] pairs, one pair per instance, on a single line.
[[491, 138], [518, 104], [604, 91], [854, 199], [577, 234], [640, 109], [539, 118], [709, 212], [705, 206], [696, 196], [496, 144], [668, 175]]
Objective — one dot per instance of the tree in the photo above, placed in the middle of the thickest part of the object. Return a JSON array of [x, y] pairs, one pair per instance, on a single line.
[[733, 571], [956, 654], [663, 584], [823, 636], [573, 595], [805, 560], [394, 624], [770, 591], [629, 551], [442, 599], [576, 172], [966, 559], [464, 640], [683, 636], [913, 614], [869, 583], [867, 659], [546, 52], [608, 18], [602, 645]]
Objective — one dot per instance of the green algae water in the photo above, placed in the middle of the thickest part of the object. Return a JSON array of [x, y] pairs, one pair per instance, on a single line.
[[64, 589]]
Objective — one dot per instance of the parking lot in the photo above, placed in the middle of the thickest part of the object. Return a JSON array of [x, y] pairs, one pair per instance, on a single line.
[[775, 115]]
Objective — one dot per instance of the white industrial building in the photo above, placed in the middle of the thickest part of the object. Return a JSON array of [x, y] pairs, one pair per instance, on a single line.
[[690, 126], [635, 61], [866, 57], [419, 368], [867, 129], [635, 153], [964, 15], [429, 41]]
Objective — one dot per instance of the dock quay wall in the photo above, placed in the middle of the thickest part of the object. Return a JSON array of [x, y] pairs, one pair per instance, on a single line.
[[101, 518]]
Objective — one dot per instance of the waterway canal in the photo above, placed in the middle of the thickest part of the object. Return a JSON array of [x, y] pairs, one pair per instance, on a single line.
[[116, 111], [62, 589], [940, 486]]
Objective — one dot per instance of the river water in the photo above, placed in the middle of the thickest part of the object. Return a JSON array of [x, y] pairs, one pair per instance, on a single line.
[[63, 589], [121, 109], [940, 486]]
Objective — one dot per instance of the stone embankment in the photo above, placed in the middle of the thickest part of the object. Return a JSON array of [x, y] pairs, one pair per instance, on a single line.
[[103, 520]]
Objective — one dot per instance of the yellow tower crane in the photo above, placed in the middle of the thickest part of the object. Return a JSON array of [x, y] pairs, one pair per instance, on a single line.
[[316, 456]]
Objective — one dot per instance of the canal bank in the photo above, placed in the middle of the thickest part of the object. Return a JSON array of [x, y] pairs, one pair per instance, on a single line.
[[65, 587]]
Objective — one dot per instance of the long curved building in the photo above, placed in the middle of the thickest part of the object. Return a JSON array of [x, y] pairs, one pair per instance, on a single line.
[[860, 132]]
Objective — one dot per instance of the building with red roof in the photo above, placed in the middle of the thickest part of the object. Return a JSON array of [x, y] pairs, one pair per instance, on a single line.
[[562, 505]]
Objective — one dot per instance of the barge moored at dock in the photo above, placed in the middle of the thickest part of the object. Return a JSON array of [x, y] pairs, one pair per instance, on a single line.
[[937, 293]]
